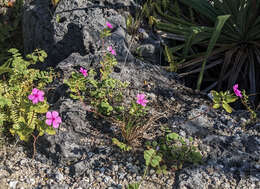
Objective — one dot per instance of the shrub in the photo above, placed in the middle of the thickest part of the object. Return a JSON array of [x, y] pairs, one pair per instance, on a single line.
[[20, 98]]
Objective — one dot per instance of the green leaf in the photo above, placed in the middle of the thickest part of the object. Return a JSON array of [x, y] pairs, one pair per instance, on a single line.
[[40, 108], [121, 145], [135, 185], [172, 136], [216, 106], [230, 98], [156, 160], [203, 7], [4, 101], [50, 130], [218, 27], [41, 59], [227, 107], [151, 158], [148, 154]]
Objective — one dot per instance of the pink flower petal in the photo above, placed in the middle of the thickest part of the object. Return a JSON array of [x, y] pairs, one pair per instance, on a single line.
[[41, 98], [139, 101], [143, 104], [145, 101], [48, 115], [55, 124], [48, 122], [109, 25], [35, 101], [109, 48], [31, 97], [113, 52], [140, 96], [55, 114], [84, 72], [236, 91], [40, 93], [34, 91], [58, 120]]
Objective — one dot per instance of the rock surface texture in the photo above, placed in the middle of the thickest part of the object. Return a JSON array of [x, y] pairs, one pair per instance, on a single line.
[[81, 155]]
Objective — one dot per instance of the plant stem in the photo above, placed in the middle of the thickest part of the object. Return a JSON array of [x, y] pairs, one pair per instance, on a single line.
[[34, 144]]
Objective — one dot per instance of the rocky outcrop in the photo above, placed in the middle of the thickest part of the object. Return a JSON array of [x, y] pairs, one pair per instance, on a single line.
[[81, 154]]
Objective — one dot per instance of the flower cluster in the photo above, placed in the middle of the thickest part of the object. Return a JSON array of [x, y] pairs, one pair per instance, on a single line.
[[36, 96], [83, 71], [111, 50], [52, 117], [141, 99], [109, 25], [236, 91]]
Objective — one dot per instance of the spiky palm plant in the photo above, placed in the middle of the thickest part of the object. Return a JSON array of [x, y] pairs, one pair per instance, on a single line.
[[207, 33]]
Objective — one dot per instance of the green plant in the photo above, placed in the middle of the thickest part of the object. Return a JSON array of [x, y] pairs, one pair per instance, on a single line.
[[121, 145], [222, 99], [133, 120], [133, 24], [104, 93], [174, 151], [246, 103], [134, 185], [224, 32], [18, 113], [152, 158]]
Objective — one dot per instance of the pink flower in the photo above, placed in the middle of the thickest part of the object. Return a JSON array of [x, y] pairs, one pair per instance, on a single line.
[[141, 99], [109, 25], [111, 50], [83, 71], [53, 118], [236, 91], [36, 96]]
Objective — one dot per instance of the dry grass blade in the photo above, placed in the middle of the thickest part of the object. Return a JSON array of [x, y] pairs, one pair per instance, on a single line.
[[200, 59], [212, 64], [170, 35], [133, 136]]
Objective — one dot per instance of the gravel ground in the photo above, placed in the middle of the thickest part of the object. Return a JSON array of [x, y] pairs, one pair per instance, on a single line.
[[81, 155]]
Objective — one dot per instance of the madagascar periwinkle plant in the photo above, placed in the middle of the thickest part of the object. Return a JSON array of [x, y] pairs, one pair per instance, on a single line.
[[105, 95], [174, 151], [133, 120], [22, 98], [171, 151], [222, 99]]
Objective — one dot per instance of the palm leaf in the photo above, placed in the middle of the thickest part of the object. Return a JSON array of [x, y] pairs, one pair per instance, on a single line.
[[251, 73], [203, 7], [218, 26], [227, 60], [238, 63]]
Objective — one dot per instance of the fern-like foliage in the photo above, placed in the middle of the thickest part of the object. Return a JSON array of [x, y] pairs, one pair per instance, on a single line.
[[17, 111]]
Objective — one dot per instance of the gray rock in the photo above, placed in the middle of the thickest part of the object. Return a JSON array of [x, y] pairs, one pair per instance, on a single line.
[[83, 143], [13, 184]]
